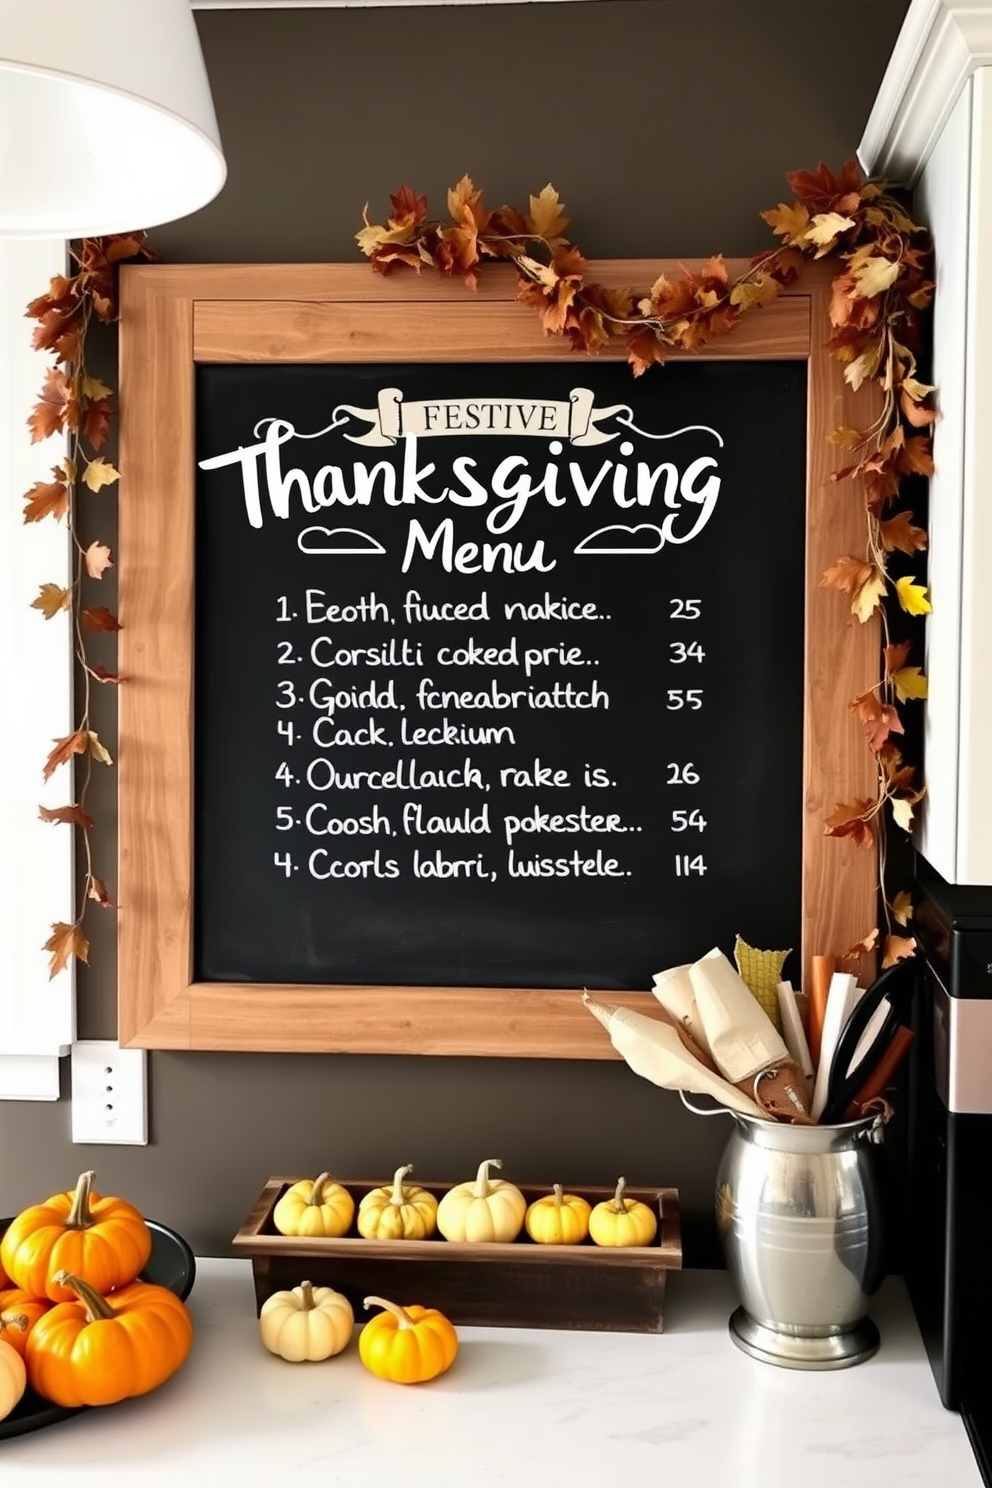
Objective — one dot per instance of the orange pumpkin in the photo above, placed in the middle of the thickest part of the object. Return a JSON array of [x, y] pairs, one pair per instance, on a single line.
[[98, 1350], [19, 1312], [103, 1240]]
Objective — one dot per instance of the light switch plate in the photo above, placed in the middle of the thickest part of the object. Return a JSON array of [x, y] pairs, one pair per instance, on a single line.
[[109, 1095]]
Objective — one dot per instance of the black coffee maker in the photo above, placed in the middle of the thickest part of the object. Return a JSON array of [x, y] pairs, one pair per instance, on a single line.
[[948, 1241]]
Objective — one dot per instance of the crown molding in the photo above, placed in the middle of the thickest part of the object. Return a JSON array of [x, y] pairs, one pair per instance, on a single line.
[[942, 42]]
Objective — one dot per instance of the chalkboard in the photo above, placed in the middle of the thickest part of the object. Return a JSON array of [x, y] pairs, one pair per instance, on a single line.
[[499, 672], [463, 673]]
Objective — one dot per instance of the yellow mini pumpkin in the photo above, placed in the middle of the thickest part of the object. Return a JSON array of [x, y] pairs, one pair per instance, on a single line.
[[558, 1218], [482, 1210], [13, 1377], [622, 1221], [314, 1207], [408, 1345], [398, 1211], [306, 1323]]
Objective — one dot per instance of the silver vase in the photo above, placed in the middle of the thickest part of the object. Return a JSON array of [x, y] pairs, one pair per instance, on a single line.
[[800, 1215]]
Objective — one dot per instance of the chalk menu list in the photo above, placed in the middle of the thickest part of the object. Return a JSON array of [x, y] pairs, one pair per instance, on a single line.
[[498, 670]]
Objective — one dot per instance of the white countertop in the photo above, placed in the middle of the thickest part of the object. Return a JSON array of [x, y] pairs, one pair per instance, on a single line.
[[520, 1407]]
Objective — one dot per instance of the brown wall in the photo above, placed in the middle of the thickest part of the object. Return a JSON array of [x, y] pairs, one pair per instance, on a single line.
[[667, 125]]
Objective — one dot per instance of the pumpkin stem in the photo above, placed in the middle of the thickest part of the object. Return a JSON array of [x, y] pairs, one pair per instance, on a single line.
[[306, 1292], [558, 1195], [620, 1204], [97, 1307], [482, 1177], [317, 1192], [13, 1320], [403, 1318], [79, 1217], [398, 1196]]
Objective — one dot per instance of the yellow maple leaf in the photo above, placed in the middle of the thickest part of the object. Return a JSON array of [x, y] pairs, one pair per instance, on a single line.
[[902, 812], [94, 389], [99, 473], [547, 220], [825, 229], [902, 907], [868, 598], [875, 276], [865, 365], [898, 948], [96, 748], [750, 293], [51, 599], [913, 597], [97, 559], [789, 219], [909, 682]]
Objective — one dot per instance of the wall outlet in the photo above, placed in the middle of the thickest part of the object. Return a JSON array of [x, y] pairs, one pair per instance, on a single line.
[[109, 1096]]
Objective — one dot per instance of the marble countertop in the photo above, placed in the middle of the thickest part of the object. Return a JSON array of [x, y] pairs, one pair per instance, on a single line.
[[519, 1407]]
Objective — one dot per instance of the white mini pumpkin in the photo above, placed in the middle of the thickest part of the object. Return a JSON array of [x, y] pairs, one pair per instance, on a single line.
[[306, 1323]]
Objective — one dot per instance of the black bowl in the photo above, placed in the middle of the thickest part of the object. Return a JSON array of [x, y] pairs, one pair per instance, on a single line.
[[171, 1264]]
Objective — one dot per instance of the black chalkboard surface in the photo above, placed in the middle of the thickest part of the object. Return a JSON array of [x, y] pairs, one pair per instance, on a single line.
[[498, 670]]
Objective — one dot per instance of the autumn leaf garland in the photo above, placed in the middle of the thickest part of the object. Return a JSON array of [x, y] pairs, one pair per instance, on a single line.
[[883, 285], [78, 406]]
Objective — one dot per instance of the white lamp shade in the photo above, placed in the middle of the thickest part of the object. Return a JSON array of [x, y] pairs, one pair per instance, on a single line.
[[106, 119]]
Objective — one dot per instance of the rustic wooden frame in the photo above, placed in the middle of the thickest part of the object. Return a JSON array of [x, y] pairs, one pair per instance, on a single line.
[[175, 316]]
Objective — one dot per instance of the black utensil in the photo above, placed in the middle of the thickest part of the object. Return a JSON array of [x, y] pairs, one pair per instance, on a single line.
[[895, 984]]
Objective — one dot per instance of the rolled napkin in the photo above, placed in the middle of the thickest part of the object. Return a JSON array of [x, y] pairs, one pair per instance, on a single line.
[[654, 1050], [674, 990], [746, 1047]]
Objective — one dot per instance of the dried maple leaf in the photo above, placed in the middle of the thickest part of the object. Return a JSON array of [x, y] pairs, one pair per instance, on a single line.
[[875, 275], [825, 229], [789, 220], [900, 533], [73, 816], [896, 656], [56, 409], [846, 437], [821, 188], [902, 812], [878, 719], [897, 948], [97, 559], [51, 599], [913, 597], [65, 941], [46, 499], [98, 617], [643, 349], [852, 819], [752, 293], [547, 219], [95, 422], [99, 473], [863, 947], [75, 743]]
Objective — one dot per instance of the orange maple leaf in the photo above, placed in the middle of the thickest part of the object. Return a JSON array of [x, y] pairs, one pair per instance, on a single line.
[[98, 617], [73, 815], [46, 499], [56, 409], [897, 948], [75, 743], [896, 656], [878, 719], [852, 819], [51, 599], [643, 349], [899, 532], [65, 941], [98, 890], [821, 188]]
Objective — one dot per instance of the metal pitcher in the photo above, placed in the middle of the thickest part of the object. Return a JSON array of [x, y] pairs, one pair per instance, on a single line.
[[800, 1215]]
